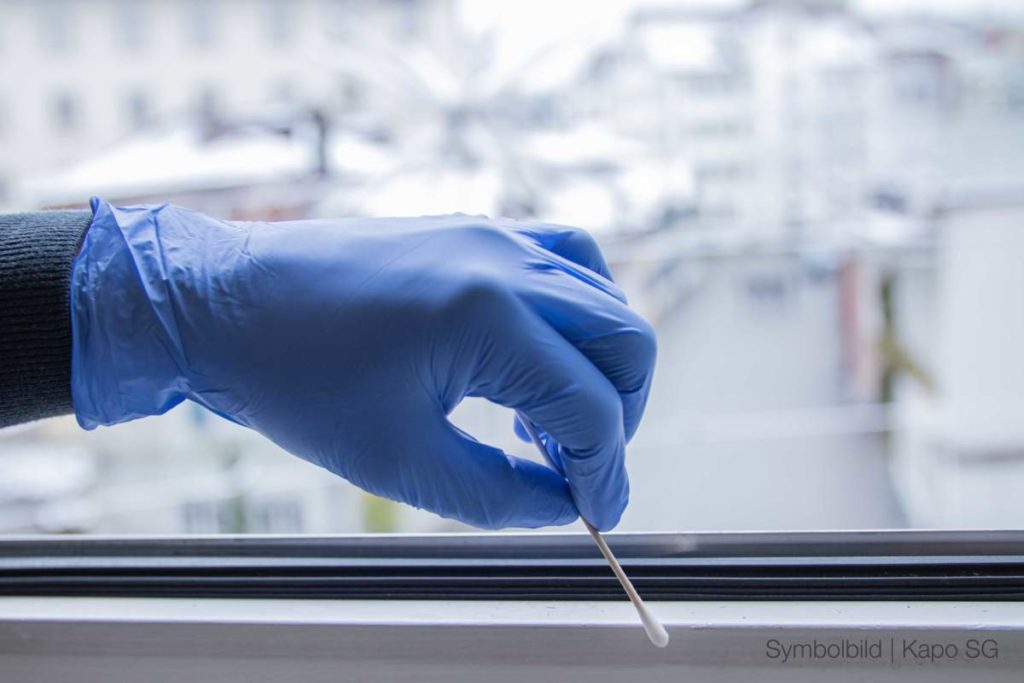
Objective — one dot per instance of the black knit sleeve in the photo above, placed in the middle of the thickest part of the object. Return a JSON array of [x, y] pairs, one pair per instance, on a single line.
[[36, 251]]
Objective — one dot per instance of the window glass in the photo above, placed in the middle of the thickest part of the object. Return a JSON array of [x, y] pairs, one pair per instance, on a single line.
[[817, 206]]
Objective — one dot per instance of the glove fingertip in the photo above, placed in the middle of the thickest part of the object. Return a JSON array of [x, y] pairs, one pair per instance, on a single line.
[[608, 517], [602, 496]]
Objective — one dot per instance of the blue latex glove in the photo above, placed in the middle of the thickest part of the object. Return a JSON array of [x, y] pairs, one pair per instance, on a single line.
[[348, 342]]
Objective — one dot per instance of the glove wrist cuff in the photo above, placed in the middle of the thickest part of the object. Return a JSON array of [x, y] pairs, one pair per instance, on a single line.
[[123, 365]]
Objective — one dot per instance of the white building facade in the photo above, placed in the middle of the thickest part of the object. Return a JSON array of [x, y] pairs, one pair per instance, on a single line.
[[77, 76]]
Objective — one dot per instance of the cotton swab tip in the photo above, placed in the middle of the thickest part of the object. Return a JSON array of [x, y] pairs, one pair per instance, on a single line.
[[656, 633]]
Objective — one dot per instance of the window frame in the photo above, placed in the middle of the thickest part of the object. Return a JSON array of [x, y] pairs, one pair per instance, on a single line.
[[752, 567], [241, 635]]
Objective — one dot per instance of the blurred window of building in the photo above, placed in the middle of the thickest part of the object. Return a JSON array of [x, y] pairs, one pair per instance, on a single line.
[[717, 128], [710, 84], [207, 102], [275, 517], [718, 211], [411, 16], [341, 18], [719, 171], [137, 108], [6, 120], [56, 25], [280, 21], [201, 28], [65, 112], [131, 24], [351, 94], [283, 91], [202, 517], [767, 290], [1014, 86]]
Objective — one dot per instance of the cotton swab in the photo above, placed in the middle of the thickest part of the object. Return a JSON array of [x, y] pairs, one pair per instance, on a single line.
[[655, 630]]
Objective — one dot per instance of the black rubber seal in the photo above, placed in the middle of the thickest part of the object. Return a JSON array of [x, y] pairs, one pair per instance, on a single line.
[[771, 566]]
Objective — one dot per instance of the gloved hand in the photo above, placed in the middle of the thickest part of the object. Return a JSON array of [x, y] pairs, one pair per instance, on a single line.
[[348, 342]]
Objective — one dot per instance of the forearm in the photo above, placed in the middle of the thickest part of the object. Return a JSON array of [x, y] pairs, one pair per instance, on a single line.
[[36, 252]]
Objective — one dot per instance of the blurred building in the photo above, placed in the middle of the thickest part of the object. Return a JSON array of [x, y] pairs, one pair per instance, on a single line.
[[958, 439], [79, 76], [273, 166], [948, 109], [679, 81], [769, 103]]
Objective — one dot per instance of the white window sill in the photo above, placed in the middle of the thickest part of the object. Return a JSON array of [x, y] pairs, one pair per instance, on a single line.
[[106, 639]]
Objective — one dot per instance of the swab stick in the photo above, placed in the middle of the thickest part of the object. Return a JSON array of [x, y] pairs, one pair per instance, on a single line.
[[654, 629]]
